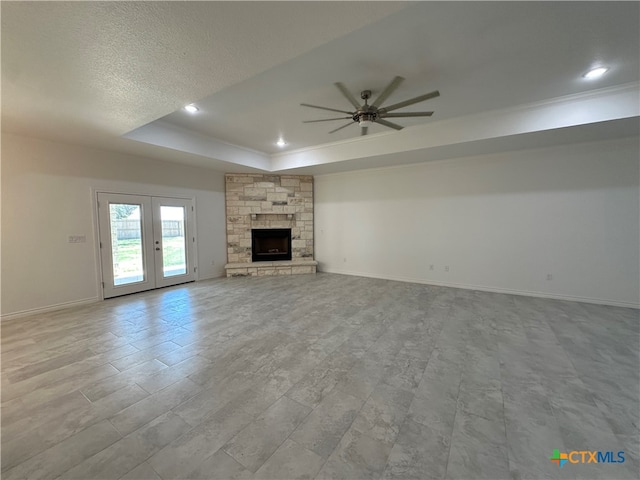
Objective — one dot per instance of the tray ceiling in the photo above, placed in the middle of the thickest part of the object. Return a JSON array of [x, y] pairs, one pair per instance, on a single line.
[[116, 74]]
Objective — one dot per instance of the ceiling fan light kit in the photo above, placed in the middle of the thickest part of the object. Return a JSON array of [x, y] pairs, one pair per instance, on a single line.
[[366, 115]]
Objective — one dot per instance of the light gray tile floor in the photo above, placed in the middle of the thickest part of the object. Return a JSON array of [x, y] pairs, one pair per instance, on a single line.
[[320, 376]]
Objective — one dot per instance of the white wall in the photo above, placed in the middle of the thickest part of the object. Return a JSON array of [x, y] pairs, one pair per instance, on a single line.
[[500, 222], [47, 196]]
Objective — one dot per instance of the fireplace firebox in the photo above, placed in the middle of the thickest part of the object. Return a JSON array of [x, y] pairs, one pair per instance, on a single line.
[[270, 244]]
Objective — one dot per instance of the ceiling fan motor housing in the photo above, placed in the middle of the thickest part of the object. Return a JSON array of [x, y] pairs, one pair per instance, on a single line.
[[365, 118]]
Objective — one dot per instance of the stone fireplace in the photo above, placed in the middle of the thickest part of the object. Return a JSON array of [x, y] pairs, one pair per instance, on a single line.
[[269, 224]]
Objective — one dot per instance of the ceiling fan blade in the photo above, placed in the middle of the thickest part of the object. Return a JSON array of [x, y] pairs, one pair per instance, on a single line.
[[347, 94], [325, 120], [387, 91], [406, 103], [406, 114], [395, 126], [326, 108], [340, 128], [364, 131]]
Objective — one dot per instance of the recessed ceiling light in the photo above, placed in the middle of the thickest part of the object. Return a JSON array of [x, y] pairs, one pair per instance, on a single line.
[[191, 108], [595, 73], [281, 142]]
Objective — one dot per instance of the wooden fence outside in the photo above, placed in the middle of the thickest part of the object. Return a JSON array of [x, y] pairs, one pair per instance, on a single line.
[[130, 229]]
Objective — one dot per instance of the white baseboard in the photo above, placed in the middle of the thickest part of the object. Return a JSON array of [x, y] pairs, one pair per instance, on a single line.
[[50, 308], [526, 293], [573, 298], [59, 306]]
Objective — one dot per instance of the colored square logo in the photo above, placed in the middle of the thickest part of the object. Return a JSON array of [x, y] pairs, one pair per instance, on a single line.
[[559, 458]]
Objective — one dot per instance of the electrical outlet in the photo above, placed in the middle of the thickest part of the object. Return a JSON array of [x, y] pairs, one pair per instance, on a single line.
[[446, 268], [549, 276]]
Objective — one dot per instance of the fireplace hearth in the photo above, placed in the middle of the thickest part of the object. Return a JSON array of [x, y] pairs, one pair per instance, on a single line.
[[270, 244]]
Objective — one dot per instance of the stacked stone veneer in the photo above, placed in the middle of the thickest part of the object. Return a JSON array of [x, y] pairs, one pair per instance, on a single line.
[[269, 201]]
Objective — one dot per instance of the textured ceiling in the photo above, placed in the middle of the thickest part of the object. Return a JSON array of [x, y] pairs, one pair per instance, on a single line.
[[91, 72], [480, 56], [80, 70]]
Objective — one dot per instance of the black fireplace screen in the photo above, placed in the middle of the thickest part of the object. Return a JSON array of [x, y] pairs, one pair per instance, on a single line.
[[270, 244]]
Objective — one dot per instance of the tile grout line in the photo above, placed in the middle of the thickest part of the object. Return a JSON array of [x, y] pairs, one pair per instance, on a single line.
[[455, 415]]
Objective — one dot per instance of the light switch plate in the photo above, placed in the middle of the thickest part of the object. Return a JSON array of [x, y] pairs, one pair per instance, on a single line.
[[77, 238]]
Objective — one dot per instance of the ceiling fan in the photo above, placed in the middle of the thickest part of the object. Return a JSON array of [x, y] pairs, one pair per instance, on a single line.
[[365, 115]]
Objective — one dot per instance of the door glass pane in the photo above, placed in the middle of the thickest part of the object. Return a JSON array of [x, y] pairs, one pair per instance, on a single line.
[[174, 252], [126, 243]]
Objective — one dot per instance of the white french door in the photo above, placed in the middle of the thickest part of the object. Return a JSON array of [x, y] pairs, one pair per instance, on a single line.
[[145, 242]]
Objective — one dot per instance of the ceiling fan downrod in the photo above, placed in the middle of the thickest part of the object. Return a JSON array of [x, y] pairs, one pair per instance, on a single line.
[[367, 114]]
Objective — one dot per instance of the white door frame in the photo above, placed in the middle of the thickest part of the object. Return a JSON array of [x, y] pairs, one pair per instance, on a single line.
[[190, 239], [95, 191]]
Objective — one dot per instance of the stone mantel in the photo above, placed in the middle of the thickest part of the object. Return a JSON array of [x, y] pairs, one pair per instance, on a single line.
[[269, 201]]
